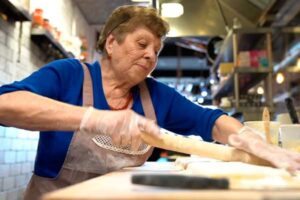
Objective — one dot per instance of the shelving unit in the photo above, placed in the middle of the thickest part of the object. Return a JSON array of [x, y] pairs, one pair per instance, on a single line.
[[13, 11], [243, 78], [46, 41], [247, 76], [288, 64], [288, 60]]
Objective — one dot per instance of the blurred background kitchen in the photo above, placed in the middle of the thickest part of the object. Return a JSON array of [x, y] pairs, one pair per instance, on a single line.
[[238, 55]]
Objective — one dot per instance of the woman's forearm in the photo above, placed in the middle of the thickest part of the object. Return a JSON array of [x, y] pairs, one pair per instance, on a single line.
[[27, 110], [225, 126]]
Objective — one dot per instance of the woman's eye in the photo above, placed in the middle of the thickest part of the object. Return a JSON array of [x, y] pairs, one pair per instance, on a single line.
[[143, 45]]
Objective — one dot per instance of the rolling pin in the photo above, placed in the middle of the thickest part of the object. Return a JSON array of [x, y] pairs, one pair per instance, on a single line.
[[174, 142]]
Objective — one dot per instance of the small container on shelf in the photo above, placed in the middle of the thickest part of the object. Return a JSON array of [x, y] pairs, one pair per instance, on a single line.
[[47, 26], [37, 18]]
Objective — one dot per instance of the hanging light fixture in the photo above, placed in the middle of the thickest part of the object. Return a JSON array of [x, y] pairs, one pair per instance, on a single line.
[[141, 1], [171, 10]]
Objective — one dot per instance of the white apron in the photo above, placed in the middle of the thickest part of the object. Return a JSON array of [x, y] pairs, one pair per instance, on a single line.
[[85, 159]]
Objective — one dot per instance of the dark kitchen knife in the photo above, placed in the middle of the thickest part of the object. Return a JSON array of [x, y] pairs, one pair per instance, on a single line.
[[291, 109], [180, 181]]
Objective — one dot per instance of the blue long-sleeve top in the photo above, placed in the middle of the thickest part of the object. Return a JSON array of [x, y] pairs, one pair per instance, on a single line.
[[62, 80]]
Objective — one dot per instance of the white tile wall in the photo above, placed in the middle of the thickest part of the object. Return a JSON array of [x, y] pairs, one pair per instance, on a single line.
[[17, 147]]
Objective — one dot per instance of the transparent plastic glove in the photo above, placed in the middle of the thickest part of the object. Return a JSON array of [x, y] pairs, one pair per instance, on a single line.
[[123, 126], [250, 141]]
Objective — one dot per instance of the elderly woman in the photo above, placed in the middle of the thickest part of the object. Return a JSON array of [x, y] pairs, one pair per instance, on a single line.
[[71, 103]]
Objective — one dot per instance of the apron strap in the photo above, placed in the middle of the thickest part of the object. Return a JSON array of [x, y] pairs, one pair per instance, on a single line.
[[147, 101], [88, 97], [87, 91]]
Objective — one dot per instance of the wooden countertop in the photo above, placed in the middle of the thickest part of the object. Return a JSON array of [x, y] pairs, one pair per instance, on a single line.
[[117, 185]]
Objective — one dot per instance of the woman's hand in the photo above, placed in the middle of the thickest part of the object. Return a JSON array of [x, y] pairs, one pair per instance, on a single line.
[[123, 126], [248, 140]]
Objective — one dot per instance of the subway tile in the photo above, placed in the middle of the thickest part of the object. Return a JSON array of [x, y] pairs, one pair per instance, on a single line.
[[23, 134], [11, 132], [2, 195], [2, 131], [34, 144], [21, 156], [10, 67], [20, 181], [2, 37], [27, 145], [29, 167], [10, 157], [21, 192], [5, 78], [4, 170], [17, 144], [27, 178], [15, 169], [26, 168], [12, 43], [5, 143], [34, 135], [30, 156], [2, 50], [8, 183], [12, 195], [10, 54], [21, 75], [1, 184], [2, 63], [1, 157]]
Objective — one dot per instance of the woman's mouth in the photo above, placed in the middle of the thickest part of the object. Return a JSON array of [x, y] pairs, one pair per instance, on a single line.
[[143, 66]]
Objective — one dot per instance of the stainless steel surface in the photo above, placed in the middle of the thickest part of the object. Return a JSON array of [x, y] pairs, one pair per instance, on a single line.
[[201, 17], [97, 11], [287, 13]]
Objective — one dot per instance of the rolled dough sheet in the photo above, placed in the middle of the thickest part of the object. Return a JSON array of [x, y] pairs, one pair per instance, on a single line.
[[241, 175]]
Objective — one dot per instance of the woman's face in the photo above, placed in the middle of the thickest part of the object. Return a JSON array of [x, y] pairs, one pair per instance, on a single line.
[[135, 57]]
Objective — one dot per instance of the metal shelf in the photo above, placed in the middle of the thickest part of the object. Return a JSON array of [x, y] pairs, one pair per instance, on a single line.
[[248, 77], [233, 110], [46, 41], [287, 61], [226, 50], [14, 11], [226, 47], [293, 91]]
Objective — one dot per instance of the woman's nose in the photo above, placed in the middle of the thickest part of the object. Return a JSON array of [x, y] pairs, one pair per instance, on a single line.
[[150, 54]]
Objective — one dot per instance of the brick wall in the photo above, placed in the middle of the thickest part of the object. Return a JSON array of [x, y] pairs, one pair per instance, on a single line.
[[17, 147]]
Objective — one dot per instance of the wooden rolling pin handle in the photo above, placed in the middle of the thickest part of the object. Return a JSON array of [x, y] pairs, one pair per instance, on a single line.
[[178, 143]]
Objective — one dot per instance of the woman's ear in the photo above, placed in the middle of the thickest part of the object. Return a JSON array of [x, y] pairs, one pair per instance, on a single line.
[[109, 44]]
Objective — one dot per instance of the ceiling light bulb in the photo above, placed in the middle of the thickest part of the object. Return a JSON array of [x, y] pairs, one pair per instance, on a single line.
[[200, 100], [171, 10], [279, 78], [260, 90], [140, 0], [204, 93]]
